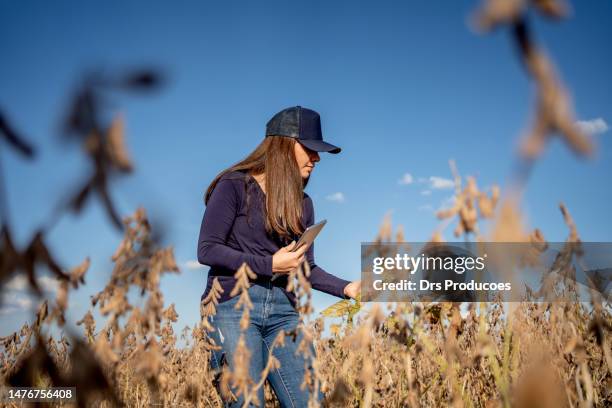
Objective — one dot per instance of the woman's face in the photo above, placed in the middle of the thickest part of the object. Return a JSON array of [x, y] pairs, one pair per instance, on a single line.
[[305, 159]]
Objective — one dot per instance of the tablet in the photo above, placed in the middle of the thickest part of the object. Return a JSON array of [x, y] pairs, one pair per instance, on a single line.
[[307, 238], [309, 235]]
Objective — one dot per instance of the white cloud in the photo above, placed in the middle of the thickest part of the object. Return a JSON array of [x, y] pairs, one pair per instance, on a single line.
[[192, 264], [592, 126], [336, 197], [23, 302], [20, 283], [7, 310], [447, 203], [426, 192], [440, 183], [15, 301], [48, 284], [17, 297], [406, 179]]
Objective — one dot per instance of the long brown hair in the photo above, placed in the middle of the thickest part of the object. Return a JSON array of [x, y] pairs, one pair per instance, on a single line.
[[284, 185]]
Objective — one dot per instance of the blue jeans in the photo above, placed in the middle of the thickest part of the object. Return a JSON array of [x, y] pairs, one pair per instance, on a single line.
[[272, 312]]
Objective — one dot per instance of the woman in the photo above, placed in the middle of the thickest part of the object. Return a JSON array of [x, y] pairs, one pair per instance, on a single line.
[[255, 211]]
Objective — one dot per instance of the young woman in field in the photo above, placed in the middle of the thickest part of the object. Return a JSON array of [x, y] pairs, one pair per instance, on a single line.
[[255, 212]]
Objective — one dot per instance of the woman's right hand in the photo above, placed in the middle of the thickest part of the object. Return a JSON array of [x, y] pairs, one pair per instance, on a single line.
[[284, 261]]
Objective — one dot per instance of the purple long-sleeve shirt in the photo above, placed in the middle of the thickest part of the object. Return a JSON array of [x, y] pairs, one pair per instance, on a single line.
[[229, 236]]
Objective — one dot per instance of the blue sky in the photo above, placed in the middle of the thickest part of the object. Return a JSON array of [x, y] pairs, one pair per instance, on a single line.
[[402, 87]]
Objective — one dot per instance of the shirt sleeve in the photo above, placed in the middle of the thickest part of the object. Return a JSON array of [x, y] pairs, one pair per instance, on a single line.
[[319, 278], [216, 225]]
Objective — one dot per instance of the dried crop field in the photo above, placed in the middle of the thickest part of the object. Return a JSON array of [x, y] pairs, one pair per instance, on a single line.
[[535, 353]]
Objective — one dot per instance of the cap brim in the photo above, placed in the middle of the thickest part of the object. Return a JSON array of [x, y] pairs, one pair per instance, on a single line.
[[320, 146]]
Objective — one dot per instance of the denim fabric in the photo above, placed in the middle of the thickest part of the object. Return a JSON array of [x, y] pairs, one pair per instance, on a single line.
[[271, 313]]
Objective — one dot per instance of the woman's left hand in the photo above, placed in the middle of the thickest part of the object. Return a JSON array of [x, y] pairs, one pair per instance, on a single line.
[[353, 289]]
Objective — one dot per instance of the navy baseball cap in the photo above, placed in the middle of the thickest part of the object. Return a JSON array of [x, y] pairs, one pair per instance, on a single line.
[[302, 124]]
